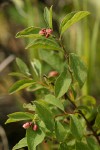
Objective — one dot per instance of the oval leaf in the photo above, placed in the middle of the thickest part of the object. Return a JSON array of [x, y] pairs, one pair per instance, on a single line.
[[17, 74], [19, 85], [36, 64], [79, 69], [44, 43], [22, 143], [62, 84], [52, 59], [54, 101], [88, 100], [93, 145], [48, 16], [34, 138], [45, 114], [22, 66], [72, 18], [60, 131], [76, 127], [19, 116], [29, 32]]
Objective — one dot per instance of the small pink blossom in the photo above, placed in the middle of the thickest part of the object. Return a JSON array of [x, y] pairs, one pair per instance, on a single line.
[[49, 31], [53, 74], [27, 125], [42, 31], [35, 127], [46, 32]]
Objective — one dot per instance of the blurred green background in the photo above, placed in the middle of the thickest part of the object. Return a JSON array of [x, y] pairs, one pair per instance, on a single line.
[[82, 38]]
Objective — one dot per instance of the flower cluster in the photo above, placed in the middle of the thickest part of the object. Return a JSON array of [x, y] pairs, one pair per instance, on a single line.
[[30, 124], [46, 32]]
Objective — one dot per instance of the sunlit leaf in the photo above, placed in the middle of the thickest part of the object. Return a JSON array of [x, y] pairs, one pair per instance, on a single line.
[[72, 18], [62, 84], [22, 66], [48, 16], [22, 143], [45, 114], [60, 131], [29, 32], [37, 67], [17, 74], [19, 116], [52, 59], [88, 100], [54, 101], [44, 43], [19, 85], [34, 138], [76, 127]]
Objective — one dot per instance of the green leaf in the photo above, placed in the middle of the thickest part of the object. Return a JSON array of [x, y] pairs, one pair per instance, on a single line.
[[92, 144], [54, 101], [63, 146], [60, 131], [45, 114], [35, 87], [29, 106], [88, 100], [44, 43], [52, 59], [34, 138], [19, 85], [97, 121], [19, 116], [72, 18], [29, 32], [22, 143], [62, 84], [79, 69], [37, 67], [76, 127], [81, 146], [22, 66], [17, 74], [48, 16]]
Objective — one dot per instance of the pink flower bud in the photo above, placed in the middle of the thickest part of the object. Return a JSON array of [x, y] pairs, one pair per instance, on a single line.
[[27, 125], [53, 74], [35, 127], [49, 31], [41, 32], [47, 35]]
